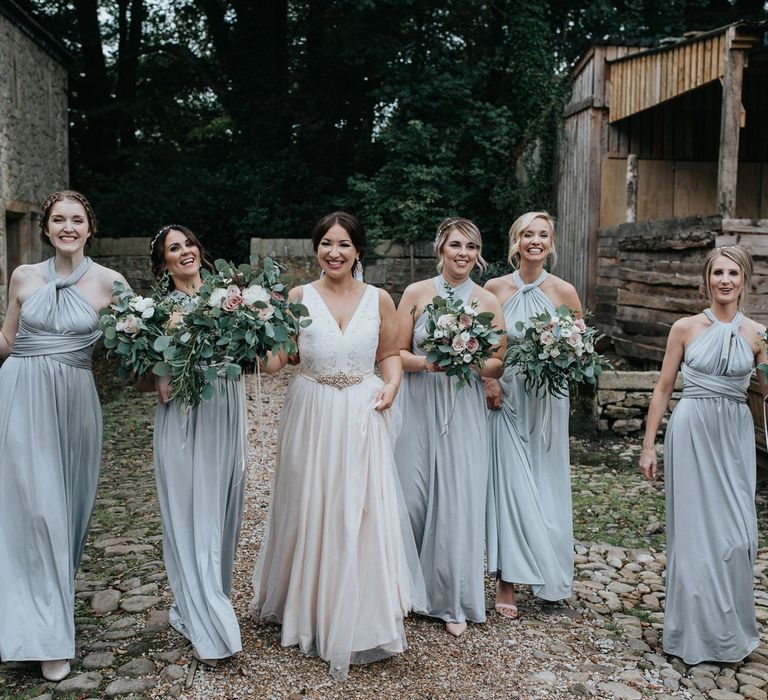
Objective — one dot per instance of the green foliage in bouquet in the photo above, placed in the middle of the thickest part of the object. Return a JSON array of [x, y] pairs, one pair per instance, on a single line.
[[132, 325], [458, 336], [556, 353], [763, 366], [242, 313]]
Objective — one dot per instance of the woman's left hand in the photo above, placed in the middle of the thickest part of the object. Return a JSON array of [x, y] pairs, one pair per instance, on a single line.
[[386, 397]]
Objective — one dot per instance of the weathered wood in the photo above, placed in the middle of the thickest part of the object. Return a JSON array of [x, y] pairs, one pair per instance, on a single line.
[[728, 160], [691, 238], [644, 317], [631, 189], [659, 301], [632, 348], [745, 226]]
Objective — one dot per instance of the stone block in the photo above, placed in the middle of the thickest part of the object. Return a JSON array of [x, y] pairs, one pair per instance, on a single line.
[[390, 249], [614, 411], [605, 396], [641, 399], [627, 425], [632, 381], [130, 245]]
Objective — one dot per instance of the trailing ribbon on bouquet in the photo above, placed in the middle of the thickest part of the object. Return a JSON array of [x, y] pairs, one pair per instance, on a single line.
[[449, 405]]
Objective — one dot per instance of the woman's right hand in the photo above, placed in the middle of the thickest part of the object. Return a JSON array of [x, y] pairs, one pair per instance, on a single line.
[[163, 386], [493, 394], [648, 462]]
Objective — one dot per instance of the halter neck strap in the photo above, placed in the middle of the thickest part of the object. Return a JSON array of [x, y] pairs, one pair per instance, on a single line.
[[525, 288], [460, 290], [734, 323], [74, 277]]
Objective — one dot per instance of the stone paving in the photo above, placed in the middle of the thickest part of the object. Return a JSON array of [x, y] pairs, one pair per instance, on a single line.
[[604, 643]]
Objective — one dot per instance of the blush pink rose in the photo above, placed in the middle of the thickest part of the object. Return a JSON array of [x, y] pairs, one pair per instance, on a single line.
[[472, 345], [234, 298], [458, 344], [465, 320]]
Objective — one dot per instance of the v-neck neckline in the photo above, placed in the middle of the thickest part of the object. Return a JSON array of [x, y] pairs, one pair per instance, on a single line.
[[330, 313]]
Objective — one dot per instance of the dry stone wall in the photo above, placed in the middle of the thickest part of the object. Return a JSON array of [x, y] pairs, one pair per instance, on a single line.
[[33, 141], [621, 403]]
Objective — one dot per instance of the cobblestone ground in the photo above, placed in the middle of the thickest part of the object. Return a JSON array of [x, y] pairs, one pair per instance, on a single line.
[[604, 643]]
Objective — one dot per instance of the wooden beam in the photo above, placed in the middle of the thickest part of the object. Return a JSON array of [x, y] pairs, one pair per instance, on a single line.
[[730, 119], [631, 212]]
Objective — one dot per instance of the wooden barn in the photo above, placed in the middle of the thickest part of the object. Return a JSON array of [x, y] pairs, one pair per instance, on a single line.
[[663, 156]]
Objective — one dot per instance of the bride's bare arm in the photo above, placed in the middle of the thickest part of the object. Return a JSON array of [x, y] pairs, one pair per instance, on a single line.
[[388, 352]]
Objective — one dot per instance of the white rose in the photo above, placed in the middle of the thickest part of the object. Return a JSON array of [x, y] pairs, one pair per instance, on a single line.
[[143, 305], [438, 334], [129, 325], [217, 297], [566, 332], [465, 336], [255, 293], [467, 358], [446, 321]]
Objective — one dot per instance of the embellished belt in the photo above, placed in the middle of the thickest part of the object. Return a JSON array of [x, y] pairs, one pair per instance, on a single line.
[[338, 380]]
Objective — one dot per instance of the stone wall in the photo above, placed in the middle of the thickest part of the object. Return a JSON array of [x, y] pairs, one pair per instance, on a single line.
[[392, 266], [129, 256], [389, 265], [621, 403], [33, 136]]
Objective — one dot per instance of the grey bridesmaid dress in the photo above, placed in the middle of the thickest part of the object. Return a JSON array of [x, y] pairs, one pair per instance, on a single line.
[[709, 472], [199, 456], [441, 457], [50, 442], [529, 522]]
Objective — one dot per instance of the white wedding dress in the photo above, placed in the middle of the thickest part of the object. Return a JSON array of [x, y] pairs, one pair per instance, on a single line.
[[338, 567]]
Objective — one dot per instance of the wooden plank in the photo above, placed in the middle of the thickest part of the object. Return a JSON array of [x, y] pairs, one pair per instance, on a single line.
[[612, 201], [745, 226], [662, 302], [655, 195], [630, 177], [730, 115], [695, 190], [631, 348], [757, 245], [675, 279], [748, 191]]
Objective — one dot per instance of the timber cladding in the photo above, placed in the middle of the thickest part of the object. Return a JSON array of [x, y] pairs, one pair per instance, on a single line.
[[648, 276]]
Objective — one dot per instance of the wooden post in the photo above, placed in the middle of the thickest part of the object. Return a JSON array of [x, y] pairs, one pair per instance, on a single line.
[[730, 119], [631, 214]]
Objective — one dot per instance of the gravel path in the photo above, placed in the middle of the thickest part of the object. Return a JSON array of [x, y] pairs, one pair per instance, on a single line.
[[602, 644]]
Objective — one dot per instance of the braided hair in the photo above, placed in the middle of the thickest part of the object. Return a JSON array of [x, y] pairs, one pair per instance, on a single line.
[[45, 213]]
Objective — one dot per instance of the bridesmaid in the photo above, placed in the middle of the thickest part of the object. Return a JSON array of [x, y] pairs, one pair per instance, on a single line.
[[709, 465], [200, 471], [441, 457], [50, 435], [529, 529]]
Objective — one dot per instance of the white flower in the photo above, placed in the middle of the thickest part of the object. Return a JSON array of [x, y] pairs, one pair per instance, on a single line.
[[467, 358], [547, 338], [465, 336], [566, 332], [255, 293], [446, 321], [143, 305], [438, 334], [129, 325], [217, 297], [589, 347]]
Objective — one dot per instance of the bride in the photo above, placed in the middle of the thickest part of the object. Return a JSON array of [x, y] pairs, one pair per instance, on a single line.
[[338, 567]]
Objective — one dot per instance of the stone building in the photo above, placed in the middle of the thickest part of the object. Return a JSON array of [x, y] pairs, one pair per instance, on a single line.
[[33, 134]]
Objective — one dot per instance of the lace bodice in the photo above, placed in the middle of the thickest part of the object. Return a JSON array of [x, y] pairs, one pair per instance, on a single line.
[[324, 348]]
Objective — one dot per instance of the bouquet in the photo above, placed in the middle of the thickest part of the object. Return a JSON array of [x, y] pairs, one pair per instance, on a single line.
[[241, 313], [763, 366], [131, 326], [458, 337], [556, 353]]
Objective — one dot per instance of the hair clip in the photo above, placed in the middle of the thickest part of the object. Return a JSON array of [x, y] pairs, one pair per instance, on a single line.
[[163, 230]]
